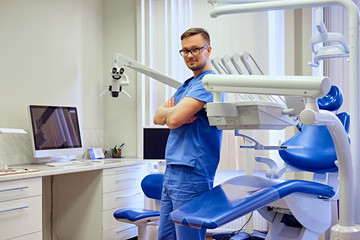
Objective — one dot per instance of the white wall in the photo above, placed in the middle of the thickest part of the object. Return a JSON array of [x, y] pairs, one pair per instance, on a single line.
[[50, 53], [120, 115], [54, 53], [60, 52]]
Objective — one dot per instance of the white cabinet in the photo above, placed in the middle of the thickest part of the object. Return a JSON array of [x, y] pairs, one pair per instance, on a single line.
[[71, 205], [121, 189], [21, 209]]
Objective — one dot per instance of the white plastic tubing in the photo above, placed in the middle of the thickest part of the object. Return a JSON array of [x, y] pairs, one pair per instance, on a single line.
[[346, 171]]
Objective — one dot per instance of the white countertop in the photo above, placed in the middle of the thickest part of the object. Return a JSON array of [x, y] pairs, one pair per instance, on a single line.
[[45, 170]]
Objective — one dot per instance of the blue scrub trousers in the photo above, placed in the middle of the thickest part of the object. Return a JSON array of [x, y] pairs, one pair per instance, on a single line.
[[181, 185]]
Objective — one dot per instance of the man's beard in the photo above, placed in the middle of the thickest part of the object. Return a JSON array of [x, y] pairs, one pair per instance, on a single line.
[[196, 67]]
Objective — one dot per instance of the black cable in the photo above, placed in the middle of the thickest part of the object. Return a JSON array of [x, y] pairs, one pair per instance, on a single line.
[[227, 237]]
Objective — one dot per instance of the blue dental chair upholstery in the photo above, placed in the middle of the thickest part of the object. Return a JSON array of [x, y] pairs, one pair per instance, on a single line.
[[297, 209], [240, 196], [152, 187], [318, 151]]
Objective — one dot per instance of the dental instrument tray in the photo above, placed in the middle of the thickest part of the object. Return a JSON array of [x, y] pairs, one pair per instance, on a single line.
[[249, 115]]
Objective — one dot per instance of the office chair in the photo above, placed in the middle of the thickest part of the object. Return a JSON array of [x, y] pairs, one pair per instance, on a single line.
[[152, 187]]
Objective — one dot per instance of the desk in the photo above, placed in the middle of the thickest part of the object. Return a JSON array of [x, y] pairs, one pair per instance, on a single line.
[[74, 202]]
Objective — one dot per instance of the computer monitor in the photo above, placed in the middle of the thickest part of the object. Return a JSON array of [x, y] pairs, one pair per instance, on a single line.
[[55, 132], [154, 142]]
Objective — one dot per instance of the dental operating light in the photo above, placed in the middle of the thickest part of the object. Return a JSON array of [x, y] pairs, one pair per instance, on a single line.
[[338, 50]]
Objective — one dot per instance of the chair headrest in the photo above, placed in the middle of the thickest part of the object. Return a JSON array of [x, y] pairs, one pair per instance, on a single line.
[[331, 101]]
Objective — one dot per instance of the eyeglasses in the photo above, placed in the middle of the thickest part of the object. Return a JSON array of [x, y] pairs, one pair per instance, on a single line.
[[194, 51]]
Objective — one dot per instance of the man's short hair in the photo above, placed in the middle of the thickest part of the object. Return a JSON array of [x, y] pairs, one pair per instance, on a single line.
[[194, 31]]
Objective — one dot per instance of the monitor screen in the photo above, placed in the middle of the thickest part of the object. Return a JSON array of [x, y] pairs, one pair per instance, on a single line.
[[154, 142], [55, 131]]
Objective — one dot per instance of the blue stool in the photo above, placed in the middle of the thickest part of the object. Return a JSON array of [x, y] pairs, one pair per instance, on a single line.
[[152, 187]]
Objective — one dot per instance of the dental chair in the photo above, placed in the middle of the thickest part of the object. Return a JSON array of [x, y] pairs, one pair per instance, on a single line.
[[297, 209], [152, 187]]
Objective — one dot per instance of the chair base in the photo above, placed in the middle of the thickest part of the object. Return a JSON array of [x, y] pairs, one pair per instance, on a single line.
[[344, 232], [256, 235]]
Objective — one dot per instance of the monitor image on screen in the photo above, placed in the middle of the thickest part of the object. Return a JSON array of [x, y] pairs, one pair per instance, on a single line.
[[55, 131], [154, 142]]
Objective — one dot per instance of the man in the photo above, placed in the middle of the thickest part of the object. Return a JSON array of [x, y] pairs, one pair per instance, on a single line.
[[193, 147]]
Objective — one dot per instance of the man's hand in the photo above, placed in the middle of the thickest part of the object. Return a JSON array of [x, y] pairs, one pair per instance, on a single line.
[[176, 115], [191, 119], [169, 103]]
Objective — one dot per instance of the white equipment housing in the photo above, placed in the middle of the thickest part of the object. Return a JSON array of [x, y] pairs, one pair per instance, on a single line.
[[259, 114]]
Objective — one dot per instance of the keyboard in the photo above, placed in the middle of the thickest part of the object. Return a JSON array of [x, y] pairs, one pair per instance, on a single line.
[[63, 164]]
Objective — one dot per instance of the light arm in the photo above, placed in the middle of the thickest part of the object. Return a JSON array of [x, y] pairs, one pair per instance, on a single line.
[[128, 62]]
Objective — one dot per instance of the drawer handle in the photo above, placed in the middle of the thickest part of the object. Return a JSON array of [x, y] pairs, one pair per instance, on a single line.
[[127, 171], [122, 180], [129, 195], [13, 209], [13, 189]]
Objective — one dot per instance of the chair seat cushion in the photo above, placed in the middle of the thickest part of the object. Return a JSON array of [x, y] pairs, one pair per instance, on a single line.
[[135, 214]]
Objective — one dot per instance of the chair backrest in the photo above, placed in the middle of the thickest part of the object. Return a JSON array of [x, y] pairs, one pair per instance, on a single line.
[[318, 150], [152, 185]]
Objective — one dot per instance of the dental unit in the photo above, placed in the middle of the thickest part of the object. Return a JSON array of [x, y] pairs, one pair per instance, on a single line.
[[308, 204], [247, 193]]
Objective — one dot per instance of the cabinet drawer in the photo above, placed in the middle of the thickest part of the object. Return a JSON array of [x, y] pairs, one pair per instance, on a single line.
[[109, 220], [21, 216], [115, 183], [124, 198], [113, 233], [20, 188], [139, 168]]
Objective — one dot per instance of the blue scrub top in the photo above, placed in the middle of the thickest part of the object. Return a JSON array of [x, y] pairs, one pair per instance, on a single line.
[[196, 144]]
